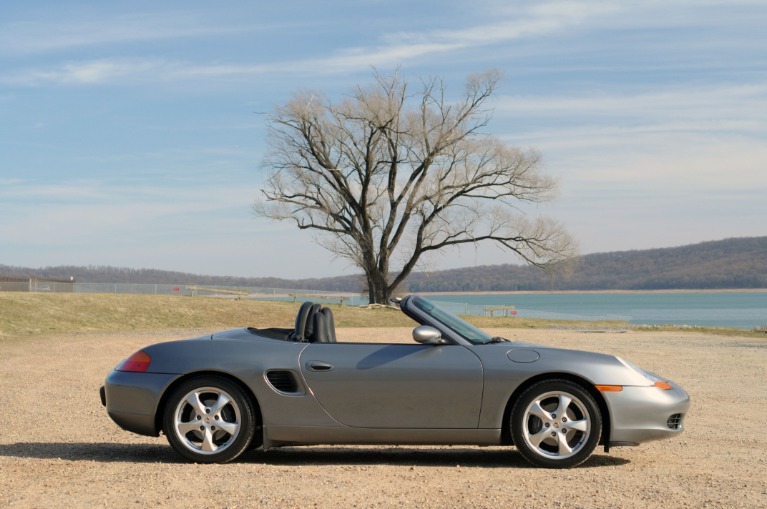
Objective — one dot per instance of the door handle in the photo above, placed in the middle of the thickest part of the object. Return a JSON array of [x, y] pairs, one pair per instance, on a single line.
[[318, 366]]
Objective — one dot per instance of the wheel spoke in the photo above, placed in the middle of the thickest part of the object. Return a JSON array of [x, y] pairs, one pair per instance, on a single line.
[[537, 410], [229, 427], [207, 441], [564, 447], [193, 400], [222, 401], [185, 427], [582, 425], [537, 438], [564, 403]]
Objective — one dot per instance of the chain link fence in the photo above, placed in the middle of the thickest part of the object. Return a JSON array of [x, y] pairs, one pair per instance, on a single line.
[[33, 285], [252, 293]]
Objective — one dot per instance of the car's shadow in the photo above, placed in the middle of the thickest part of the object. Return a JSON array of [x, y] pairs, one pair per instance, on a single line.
[[102, 452], [396, 456], [404, 456]]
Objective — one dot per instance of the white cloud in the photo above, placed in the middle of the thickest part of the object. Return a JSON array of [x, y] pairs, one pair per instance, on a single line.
[[60, 35], [393, 49], [673, 131], [400, 48], [87, 72], [694, 102], [515, 21]]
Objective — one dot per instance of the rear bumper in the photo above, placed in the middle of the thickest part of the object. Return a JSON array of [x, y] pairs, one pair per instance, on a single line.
[[644, 414], [133, 400]]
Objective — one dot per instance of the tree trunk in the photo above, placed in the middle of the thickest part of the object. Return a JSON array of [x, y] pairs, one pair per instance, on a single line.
[[378, 288]]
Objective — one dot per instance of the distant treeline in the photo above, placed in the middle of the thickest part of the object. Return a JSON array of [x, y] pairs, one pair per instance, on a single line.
[[109, 274], [729, 263]]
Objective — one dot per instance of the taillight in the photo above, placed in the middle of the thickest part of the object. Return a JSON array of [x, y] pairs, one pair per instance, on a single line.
[[136, 363]]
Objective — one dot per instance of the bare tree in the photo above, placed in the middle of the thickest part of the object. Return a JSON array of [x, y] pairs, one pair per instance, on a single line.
[[386, 177]]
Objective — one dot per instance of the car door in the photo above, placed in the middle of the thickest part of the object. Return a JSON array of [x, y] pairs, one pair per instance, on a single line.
[[395, 385]]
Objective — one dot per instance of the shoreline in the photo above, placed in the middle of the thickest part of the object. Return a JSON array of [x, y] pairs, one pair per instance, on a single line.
[[556, 292]]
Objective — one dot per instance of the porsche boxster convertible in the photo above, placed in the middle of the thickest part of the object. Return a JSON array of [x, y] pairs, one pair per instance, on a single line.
[[217, 396]]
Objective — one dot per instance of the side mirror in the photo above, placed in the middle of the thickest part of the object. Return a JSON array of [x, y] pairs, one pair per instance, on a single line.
[[428, 335]]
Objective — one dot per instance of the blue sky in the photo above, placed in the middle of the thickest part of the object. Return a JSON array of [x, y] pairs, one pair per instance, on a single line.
[[132, 133]]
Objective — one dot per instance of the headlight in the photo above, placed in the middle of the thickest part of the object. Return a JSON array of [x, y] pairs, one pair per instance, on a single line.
[[657, 381]]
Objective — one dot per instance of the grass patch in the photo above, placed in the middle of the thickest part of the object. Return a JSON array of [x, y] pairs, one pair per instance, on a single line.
[[24, 314], [546, 323], [718, 331], [606, 325], [27, 314]]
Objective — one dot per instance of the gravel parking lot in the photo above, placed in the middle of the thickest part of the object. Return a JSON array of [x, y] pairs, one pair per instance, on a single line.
[[58, 448]]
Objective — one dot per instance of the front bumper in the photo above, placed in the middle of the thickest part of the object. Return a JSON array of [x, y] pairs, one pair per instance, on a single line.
[[644, 414], [133, 399]]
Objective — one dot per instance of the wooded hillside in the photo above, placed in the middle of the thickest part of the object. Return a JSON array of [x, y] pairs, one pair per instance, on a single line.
[[729, 263]]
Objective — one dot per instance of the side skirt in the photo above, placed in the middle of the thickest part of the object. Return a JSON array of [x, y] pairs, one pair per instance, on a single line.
[[277, 436]]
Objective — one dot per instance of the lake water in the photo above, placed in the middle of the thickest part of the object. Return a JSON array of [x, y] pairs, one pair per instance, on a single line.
[[745, 310]]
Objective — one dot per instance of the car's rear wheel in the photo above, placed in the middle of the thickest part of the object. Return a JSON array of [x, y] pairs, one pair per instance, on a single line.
[[209, 419], [556, 424]]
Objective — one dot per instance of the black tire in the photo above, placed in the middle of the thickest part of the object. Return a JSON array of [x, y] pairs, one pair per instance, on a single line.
[[546, 435], [209, 419]]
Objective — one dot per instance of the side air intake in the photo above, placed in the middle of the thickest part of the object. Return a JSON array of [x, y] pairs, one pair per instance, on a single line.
[[283, 381]]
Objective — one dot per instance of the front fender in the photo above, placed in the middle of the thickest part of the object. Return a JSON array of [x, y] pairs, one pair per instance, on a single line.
[[503, 376]]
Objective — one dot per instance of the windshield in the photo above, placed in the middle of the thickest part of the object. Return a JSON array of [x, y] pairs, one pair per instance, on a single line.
[[459, 326]]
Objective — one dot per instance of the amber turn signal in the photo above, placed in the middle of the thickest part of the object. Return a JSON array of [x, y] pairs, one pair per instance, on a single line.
[[609, 388], [663, 385]]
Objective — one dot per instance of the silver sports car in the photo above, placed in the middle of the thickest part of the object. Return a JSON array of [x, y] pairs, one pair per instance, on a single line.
[[217, 396]]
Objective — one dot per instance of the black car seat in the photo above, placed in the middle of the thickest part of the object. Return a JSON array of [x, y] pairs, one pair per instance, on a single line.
[[299, 333], [324, 328], [330, 324], [309, 327]]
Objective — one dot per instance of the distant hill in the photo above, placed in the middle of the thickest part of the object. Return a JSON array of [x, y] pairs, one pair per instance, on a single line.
[[730, 263], [108, 274]]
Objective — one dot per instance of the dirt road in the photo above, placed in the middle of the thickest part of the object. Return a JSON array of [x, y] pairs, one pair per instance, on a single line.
[[58, 448]]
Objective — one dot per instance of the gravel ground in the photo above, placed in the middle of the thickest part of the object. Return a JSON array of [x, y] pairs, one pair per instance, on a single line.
[[58, 447]]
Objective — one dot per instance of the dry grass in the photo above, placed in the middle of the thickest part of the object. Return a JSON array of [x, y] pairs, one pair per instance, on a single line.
[[26, 314]]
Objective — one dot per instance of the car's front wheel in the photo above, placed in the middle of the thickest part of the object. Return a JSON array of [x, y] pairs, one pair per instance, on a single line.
[[556, 424], [209, 419]]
